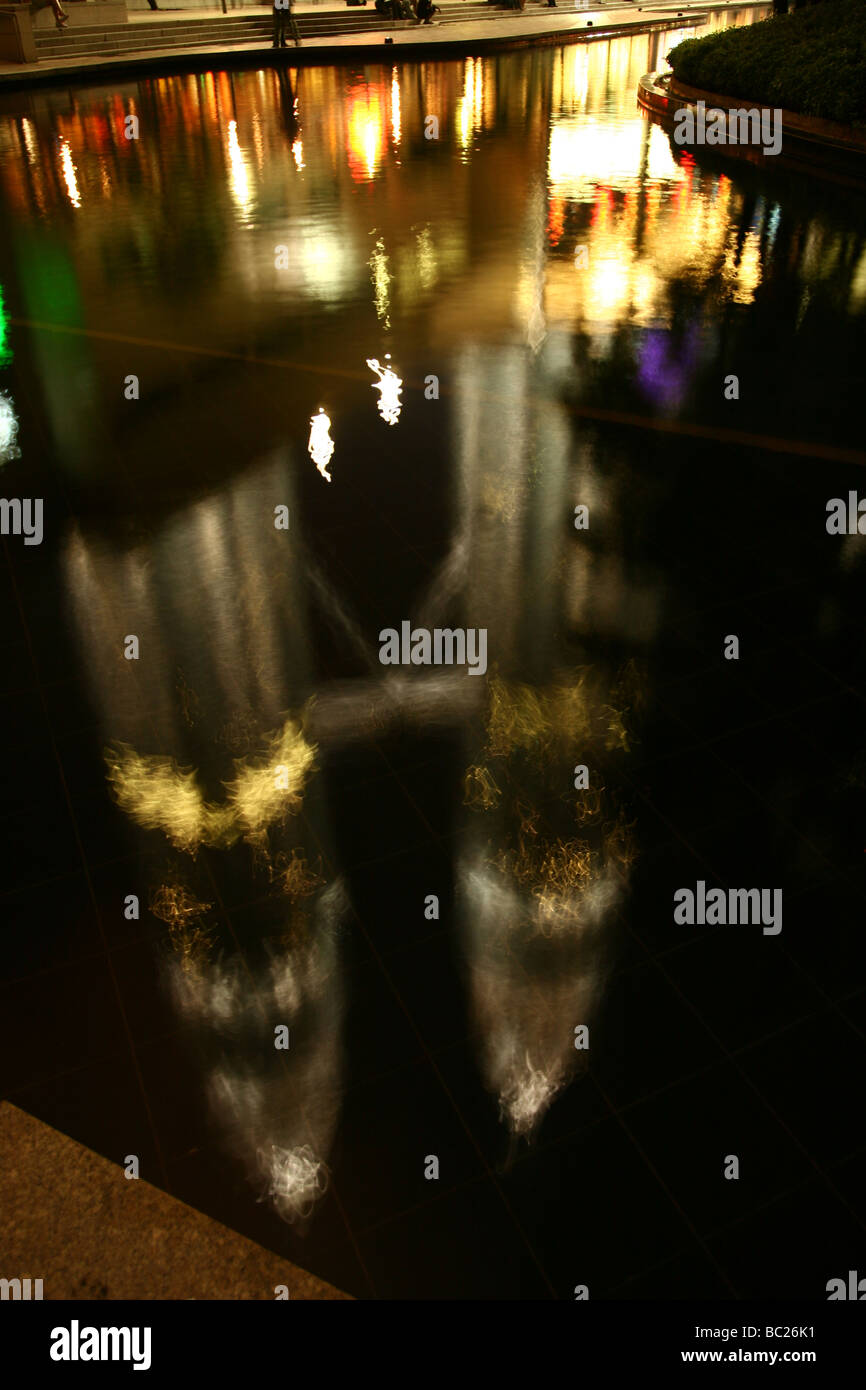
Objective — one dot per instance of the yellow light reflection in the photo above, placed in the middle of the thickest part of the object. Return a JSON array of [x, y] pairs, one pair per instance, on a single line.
[[478, 95], [294, 876], [381, 281], [479, 788], [746, 277], [609, 289], [191, 939], [523, 717], [858, 284], [426, 266], [258, 142], [365, 133], [298, 153], [159, 795]]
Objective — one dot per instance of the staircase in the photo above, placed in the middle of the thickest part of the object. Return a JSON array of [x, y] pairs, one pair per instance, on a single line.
[[111, 40]]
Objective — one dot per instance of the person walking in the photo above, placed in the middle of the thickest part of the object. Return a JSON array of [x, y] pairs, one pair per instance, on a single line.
[[284, 19]]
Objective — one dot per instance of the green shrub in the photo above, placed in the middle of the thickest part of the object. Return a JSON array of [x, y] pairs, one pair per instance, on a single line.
[[812, 61]]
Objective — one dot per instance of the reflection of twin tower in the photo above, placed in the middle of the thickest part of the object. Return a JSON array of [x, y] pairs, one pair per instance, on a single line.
[[321, 446], [215, 744]]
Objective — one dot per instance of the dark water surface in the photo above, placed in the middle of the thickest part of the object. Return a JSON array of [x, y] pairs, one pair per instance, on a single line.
[[286, 809]]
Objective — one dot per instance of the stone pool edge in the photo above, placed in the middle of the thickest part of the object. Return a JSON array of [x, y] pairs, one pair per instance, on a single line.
[[821, 146]]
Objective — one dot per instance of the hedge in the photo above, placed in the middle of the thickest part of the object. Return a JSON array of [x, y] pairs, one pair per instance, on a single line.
[[812, 61]]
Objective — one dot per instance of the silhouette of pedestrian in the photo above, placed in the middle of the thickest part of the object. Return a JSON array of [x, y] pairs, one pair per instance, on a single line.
[[288, 104], [283, 19]]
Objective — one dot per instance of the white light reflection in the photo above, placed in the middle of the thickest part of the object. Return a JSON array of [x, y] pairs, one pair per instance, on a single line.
[[389, 386], [773, 224], [527, 1059], [661, 164], [69, 174], [29, 141], [585, 153], [8, 430], [297, 1180], [324, 256], [464, 107], [277, 1114], [579, 77], [321, 445], [298, 153], [240, 178], [395, 107]]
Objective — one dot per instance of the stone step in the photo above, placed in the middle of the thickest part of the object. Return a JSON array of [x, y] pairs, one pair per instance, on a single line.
[[116, 39], [152, 38], [193, 35], [211, 27], [469, 9]]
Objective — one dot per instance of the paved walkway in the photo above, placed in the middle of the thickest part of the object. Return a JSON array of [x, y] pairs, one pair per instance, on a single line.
[[74, 1220], [504, 29]]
